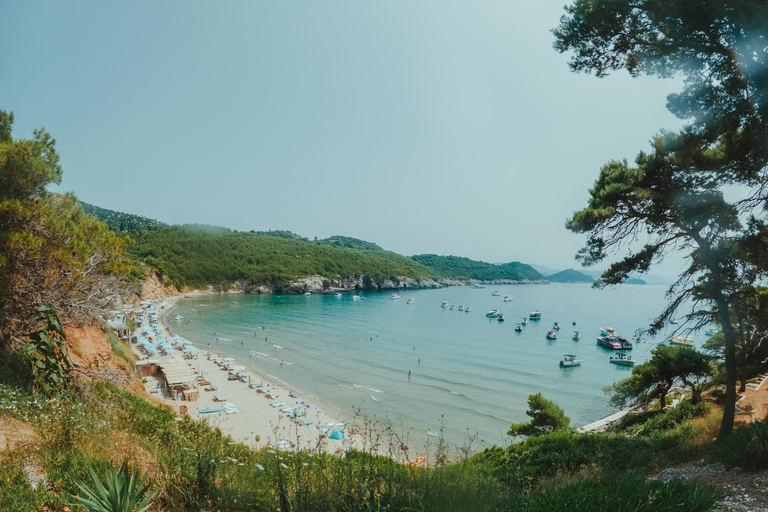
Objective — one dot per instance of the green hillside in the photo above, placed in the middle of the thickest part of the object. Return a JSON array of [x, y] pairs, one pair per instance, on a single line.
[[119, 221], [570, 276], [195, 258], [456, 267]]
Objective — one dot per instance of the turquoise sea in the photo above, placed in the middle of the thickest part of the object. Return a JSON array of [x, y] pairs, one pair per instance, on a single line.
[[470, 373]]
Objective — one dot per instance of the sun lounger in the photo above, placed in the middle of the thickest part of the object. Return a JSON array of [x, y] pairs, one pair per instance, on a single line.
[[219, 399], [205, 383]]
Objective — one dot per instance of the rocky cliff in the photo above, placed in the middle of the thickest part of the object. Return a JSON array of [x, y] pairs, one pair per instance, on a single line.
[[320, 284]]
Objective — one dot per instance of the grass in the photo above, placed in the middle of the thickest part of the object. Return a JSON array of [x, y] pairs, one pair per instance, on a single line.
[[196, 467]]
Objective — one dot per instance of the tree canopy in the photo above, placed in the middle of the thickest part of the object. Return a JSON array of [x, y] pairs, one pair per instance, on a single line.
[[546, 416], [673, 197], [50, 251]]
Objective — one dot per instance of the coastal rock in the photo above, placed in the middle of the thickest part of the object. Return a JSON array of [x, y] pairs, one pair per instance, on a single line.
[[321, 284]]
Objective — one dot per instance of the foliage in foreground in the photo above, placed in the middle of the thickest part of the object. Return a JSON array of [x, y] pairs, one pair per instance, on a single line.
[[120, 492], [199, 468]]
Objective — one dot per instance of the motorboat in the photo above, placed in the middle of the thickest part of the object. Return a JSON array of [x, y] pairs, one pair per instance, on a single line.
[[411, 300], [573, 323], [445, 304], [556, 326], [607, 331], [492, 313], [452, 307], [570, 360], [307, 294], [461, 307], [679, 340], [535, 315], [709, 332], [467, 310], [337, 294], [479, 286], [496, 293], [625, 343], [394, 296], [551, 334], [609, 343], [576, 336], [179, 317], [507, 298], [501, 318], [524, 321], [357, 297], [674, 322], [622, 360], [518, 328]]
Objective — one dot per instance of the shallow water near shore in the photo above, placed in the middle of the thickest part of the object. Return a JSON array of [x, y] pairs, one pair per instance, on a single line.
[[469, 373]]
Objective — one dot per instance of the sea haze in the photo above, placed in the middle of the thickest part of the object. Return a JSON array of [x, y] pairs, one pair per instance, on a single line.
[[474, 374]]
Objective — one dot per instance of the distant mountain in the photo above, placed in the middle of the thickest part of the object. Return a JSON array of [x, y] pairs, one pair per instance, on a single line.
[[545, 271], [456, 267], [119, 221], [570, 276]]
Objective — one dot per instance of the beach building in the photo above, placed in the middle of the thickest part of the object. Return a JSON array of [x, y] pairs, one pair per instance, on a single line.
[[175, 375]]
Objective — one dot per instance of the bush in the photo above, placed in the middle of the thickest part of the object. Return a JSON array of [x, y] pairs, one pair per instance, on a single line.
[[746, 448]]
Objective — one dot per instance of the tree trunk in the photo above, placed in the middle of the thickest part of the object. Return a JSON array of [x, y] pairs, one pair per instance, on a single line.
[[744, 369], [723, 314]]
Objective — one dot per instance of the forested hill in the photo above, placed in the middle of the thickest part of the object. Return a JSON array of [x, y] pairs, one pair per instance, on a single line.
[[456, 267], [570, 276], [196, 258], [119, 221], [201, 255]]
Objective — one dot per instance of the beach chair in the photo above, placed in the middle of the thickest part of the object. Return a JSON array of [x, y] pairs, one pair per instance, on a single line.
[[219, 399]]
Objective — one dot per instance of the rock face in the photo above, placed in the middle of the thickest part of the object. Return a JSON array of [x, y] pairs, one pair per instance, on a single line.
[[320, 284]]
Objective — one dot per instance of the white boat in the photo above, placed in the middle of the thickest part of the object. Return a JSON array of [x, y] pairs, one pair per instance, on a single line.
[[507, 298], [556, 326], [524, 321], [357, 297], [479, 286], [394, 296], [411, 300], [535, 315], [467, 310], [445, 304], [673, 321], [452, 307], [337, 294], [622, 360], [179, 317], [518, 328], [492, 313], [461, 307], [570, 360], [307, 294], [576, 336], [551, 334], [709, 332], [607, 331], [501, 318], [677, 340], [496, 293]]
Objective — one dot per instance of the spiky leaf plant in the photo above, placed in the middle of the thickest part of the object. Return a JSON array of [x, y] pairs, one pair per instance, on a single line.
[[121, 491]]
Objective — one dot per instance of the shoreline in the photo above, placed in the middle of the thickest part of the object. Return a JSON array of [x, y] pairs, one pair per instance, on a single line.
[[257, 421]]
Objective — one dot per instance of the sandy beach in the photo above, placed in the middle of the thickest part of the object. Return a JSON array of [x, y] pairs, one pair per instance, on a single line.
[[265, 415]]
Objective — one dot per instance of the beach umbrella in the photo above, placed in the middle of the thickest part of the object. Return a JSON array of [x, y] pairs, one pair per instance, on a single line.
[[336, 433], [228, 359]]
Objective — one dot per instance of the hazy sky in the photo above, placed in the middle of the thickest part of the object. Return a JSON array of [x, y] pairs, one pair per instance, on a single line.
[[427, 127]]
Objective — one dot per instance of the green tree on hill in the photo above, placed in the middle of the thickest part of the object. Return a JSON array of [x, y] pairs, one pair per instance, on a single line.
[[546, 416], [655, 378]]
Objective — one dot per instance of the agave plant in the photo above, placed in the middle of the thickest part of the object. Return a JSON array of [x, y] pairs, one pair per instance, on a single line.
[[121, 491]]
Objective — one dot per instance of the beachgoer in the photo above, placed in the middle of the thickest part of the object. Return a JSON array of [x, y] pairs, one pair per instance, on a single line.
[[419, 360], [281, 364], [409, 375]]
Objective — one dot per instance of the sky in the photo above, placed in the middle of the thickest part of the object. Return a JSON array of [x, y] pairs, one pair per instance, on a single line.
[[435, 126]]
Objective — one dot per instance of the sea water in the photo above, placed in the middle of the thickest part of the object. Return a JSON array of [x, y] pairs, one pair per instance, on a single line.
[[468, 374]]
